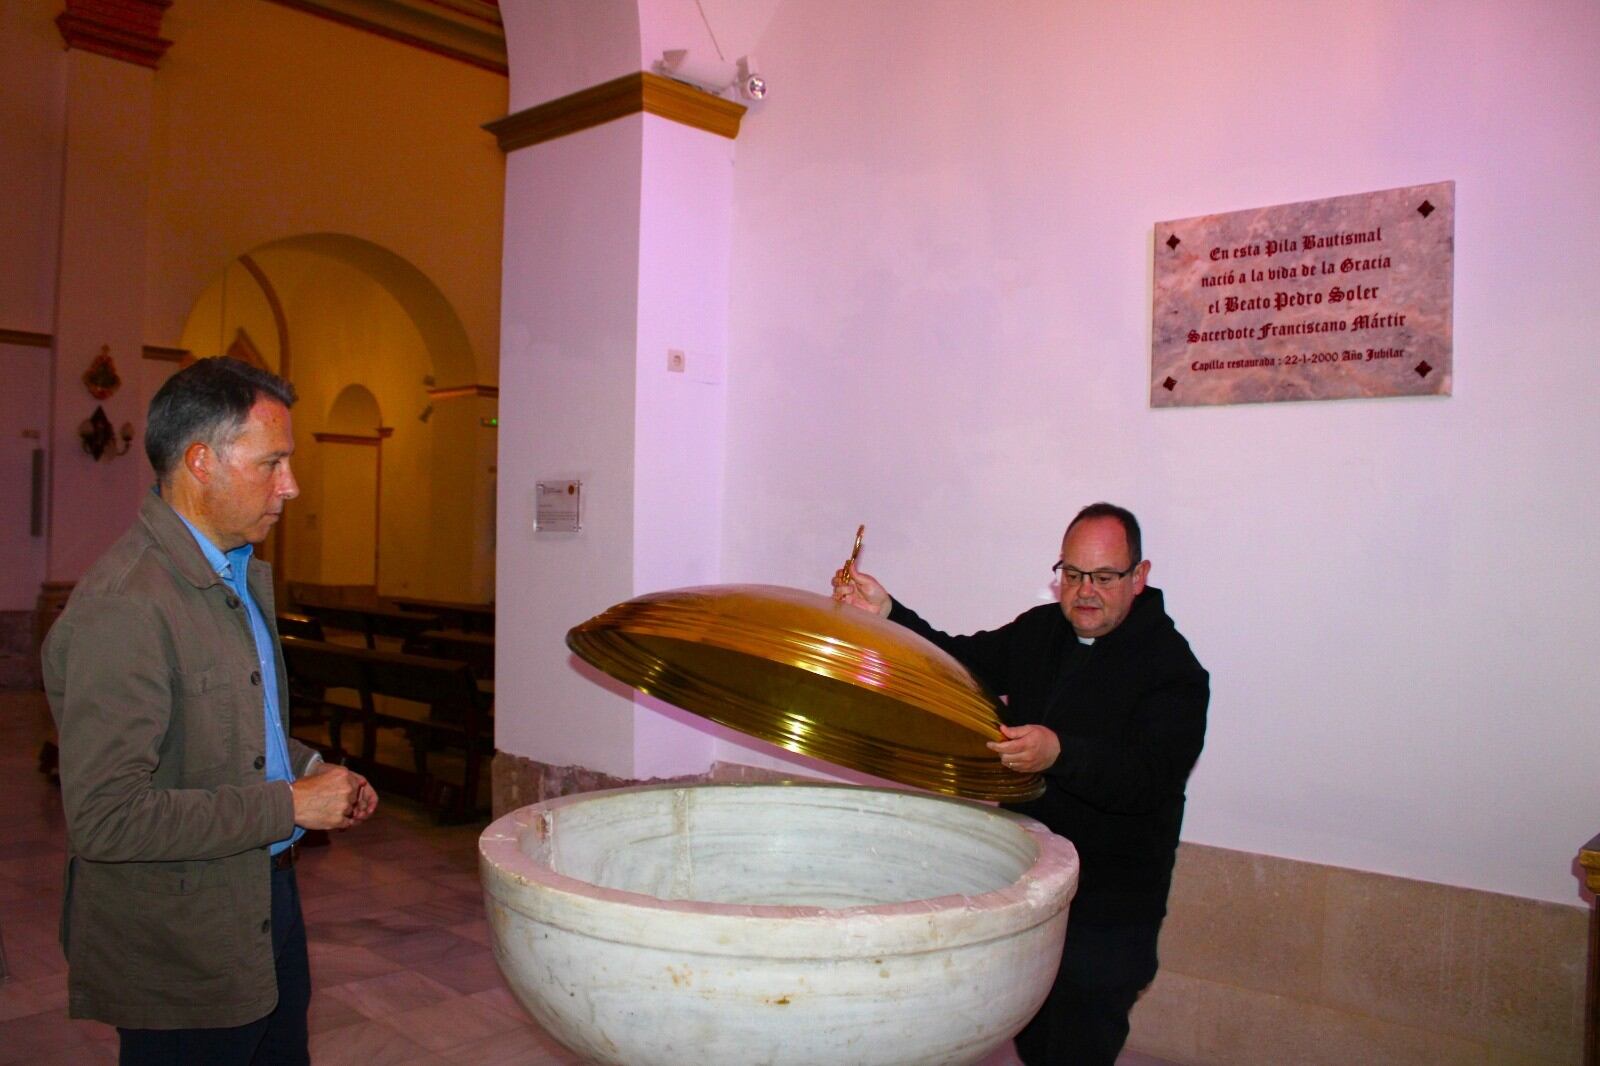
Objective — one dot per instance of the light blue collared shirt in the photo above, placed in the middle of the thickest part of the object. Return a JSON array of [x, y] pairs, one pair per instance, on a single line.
[[234, 569]]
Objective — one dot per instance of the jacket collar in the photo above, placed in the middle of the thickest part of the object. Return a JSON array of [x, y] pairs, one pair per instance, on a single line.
[[175, 540]]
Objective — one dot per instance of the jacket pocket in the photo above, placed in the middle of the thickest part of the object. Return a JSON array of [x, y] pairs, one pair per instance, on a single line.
[[167, 878], [201, 736], [163, 924]]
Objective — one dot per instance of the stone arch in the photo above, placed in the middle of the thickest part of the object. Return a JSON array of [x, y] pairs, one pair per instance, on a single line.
[[454, 362], [363, 334], [354, 411], [245, 287]]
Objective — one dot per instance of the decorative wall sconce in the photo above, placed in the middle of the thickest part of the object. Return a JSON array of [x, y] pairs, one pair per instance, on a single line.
[[100, 440], [102, 381]]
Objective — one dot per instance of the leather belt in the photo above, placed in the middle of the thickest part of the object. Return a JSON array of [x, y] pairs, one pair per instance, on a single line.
[[286, 858]]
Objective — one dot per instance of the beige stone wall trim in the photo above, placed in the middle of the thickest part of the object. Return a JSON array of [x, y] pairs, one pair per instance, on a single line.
[[616, 99], [1270, 960]]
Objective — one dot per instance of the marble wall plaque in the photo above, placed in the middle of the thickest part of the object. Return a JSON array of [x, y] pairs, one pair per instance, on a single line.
[[1322, 300]]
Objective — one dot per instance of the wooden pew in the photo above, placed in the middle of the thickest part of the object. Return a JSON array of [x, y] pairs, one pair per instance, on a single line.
[[315, 667], [452, 614], [474, 649], [372, 620], [436, 703], [452, 714], [299, 625]]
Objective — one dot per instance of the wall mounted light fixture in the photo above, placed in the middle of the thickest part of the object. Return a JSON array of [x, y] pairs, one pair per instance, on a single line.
[[752, 86], [100, 440], [716, 75]]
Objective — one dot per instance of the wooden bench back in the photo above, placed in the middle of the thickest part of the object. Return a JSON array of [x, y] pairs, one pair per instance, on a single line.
[[445, 685], [452, 711], [316, 662], [299, 625], [474, 649]]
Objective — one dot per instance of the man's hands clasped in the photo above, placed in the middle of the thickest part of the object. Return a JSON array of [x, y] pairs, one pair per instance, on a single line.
[[332, 797]]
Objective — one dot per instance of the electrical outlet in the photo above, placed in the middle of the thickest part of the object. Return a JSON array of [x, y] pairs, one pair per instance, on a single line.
[[675, 360]]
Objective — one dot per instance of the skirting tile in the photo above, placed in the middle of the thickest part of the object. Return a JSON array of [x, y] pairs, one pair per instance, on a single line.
[[1269, 960]]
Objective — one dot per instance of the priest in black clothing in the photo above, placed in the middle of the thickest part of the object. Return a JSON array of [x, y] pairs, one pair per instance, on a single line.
[[1105, 699]]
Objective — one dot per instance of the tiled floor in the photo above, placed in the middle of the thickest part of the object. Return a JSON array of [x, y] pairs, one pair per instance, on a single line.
[[399, 957]]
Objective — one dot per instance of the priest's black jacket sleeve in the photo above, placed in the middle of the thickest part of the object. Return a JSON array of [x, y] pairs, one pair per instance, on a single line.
[[1130, 712]]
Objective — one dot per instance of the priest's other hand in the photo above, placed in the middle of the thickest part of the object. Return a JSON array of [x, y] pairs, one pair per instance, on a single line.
[[1027, 749], [861, 590]]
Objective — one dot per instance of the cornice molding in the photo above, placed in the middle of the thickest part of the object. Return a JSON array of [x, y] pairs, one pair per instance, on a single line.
[[618, 98], [29, 339], [26, 338], [129, 30], [466, 30], [491, 392], [384, 432], [159, 352]]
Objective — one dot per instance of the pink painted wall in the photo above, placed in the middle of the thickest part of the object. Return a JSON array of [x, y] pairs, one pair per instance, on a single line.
[[685, 219], [105, 168], [33, 95], [568, 373], [940, 327], [560, 46], [24, 424]]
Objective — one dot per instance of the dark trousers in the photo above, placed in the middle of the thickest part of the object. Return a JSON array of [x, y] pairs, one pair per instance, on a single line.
[[1084, 1022], [279, 1039]]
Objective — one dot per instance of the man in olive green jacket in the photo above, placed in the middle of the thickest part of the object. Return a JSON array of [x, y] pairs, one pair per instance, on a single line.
[[181, 915]]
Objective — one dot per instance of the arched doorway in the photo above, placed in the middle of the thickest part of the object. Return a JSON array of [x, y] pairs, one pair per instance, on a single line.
[[350, 471]]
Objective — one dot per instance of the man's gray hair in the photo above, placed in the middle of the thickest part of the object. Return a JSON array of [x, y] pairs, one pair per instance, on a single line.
[[208, 401]]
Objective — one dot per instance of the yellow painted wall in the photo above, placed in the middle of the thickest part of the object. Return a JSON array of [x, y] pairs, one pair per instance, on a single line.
[[349, 533], [272, 125], [233, 302]]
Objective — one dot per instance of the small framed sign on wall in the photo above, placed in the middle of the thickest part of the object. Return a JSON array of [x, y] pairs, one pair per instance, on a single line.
[[557, 506], [1322, 300]]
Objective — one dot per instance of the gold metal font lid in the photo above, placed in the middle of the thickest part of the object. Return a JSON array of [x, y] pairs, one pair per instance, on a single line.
[[816, 677]]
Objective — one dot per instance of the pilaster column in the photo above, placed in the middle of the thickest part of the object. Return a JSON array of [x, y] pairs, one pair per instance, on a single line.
[[113, 47], [614, 341]]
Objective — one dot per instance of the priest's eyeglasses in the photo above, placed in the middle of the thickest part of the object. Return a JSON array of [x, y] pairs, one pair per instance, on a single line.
[[1072, 576]]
